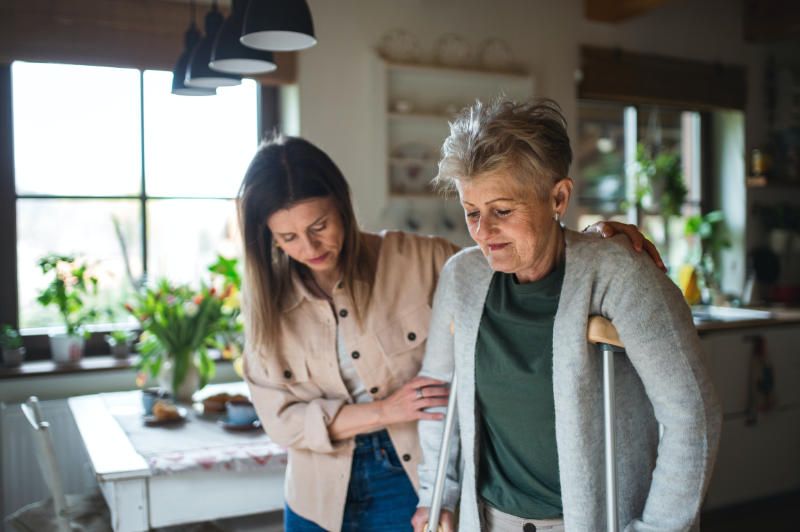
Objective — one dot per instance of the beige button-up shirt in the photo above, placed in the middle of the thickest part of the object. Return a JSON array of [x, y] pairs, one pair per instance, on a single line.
[[298, 389]]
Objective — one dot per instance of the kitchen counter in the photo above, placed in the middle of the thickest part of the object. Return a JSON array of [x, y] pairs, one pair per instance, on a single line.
[[709, 319]]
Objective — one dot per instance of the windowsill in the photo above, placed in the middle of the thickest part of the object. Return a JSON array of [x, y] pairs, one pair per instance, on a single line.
[[43, 368]]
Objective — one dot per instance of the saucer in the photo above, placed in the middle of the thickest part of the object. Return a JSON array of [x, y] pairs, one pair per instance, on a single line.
[[238, 427], [153, 421]]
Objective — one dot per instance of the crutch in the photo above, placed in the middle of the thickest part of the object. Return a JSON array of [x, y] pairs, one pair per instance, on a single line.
[[604, 335], [444, 456]]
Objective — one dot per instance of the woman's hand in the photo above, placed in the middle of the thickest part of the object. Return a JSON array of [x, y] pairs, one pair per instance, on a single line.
[[638, 241], [409, 402], [447, 520]]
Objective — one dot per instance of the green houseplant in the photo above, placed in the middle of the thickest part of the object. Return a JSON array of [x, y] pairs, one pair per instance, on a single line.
[[711, 236], [11, 345], [71, 282], [660, 188], [179, 324]]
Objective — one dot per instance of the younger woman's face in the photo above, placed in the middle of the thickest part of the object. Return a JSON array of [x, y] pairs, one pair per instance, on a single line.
[[310, 232]]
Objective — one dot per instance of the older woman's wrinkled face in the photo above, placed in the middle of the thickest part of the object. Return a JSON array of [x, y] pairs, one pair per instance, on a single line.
[[514, 228]]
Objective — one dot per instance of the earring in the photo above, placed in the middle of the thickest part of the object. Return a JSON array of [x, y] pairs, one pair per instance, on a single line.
[[557, 217]]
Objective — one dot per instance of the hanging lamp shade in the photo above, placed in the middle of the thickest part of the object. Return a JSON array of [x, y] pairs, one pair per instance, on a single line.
[[228, 53], [191, 38], [278, 25], [198, 74]]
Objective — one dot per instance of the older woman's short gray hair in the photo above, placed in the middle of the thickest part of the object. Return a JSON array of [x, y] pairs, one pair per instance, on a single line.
[[528, 139]]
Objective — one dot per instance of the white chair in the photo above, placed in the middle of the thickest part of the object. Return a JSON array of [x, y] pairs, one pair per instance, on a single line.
[[60, 512]]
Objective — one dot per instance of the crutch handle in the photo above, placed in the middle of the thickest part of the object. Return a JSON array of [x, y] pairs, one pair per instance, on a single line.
[[601, 331]]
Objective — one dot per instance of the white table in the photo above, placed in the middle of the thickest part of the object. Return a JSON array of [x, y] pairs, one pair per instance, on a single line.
[[138, 498]]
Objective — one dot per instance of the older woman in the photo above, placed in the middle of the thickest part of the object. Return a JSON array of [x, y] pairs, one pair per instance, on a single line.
[[510, 315], [336, 322]]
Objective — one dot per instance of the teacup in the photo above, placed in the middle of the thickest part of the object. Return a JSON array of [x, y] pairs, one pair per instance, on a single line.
[[149, 398], [241, 412]]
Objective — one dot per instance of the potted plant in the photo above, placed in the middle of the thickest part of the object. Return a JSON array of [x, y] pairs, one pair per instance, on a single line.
[[11, 344], [120, 342], [711, 236], [178, 325], [70, 283]]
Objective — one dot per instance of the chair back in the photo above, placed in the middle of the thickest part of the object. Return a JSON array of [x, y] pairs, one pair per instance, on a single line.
[[46, 456]]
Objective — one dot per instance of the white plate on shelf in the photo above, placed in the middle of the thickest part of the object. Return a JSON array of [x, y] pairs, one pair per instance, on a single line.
[[413, 165], [495, 54], [453, 50], [400, 45]]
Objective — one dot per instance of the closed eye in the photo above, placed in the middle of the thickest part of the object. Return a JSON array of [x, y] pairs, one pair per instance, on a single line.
[[502, 213], [474, 215]]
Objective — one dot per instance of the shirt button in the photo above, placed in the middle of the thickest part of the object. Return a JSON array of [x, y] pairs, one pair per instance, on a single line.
[[406, 457], [355, 354], [343, 313], [287, 374], [412, 336], [373, 390], [528, 527]]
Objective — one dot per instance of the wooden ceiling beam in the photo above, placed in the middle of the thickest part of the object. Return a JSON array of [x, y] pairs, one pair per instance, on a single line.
[[618, 10], [768, 21]]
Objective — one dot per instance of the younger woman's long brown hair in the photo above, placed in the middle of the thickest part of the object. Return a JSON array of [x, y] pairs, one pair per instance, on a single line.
[[286, 170]]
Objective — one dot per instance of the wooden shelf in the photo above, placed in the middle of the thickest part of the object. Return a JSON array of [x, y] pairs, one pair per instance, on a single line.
[[466, 70], [394, 115], [756, 182]]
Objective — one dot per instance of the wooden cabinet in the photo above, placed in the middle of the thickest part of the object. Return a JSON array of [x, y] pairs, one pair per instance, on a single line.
[[415, 103], [757, 459]]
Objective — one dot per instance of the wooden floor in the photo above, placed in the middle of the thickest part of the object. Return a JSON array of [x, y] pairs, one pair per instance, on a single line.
[[777, 514]]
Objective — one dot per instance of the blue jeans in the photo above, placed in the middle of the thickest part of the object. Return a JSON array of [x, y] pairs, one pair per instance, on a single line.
[[380, 496]]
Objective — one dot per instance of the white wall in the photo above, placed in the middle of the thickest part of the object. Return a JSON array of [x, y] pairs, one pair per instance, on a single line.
[[336, 81]]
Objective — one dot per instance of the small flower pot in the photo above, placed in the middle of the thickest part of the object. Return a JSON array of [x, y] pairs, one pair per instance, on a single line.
[[120, 351], [13, 357], [66, 349]]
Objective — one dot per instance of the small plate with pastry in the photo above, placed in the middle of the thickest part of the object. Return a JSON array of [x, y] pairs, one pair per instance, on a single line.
[[165, 413]]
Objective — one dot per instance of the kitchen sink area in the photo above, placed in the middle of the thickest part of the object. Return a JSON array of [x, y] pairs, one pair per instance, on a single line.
[[710, 313]]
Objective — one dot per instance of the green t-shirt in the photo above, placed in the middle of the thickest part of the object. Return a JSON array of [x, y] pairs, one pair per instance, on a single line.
[[518, 472]]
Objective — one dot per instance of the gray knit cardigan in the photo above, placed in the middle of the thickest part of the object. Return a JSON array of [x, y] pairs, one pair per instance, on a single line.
[[661, 379]]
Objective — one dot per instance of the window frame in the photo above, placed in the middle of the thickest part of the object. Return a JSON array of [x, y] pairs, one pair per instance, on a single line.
[[37, 345]]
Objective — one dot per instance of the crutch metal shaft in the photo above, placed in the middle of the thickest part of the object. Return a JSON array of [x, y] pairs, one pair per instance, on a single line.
[[444, 457], [610, 438]]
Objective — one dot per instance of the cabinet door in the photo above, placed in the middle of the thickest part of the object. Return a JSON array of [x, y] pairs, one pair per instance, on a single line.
[[756, 461], [761, 459]]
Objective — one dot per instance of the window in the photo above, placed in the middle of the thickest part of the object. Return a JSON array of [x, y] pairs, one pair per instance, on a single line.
[[609, 135], [107, 159]]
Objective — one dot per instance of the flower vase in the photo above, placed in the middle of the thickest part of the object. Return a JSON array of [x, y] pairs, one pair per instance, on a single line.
[[185, 390]]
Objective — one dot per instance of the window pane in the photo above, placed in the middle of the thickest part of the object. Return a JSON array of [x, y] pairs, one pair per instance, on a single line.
[[601, 156], [76, 129], [80, 227], [185, 237], [197, 146]]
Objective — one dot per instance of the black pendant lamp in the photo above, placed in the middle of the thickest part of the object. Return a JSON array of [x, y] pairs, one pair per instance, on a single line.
[[190, 40], [198, 74], [278, 25], [230, 55]]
